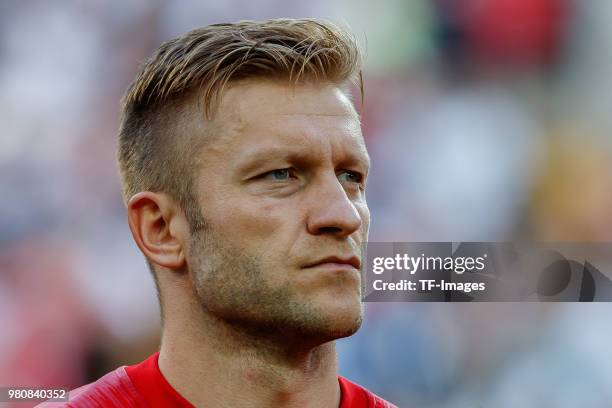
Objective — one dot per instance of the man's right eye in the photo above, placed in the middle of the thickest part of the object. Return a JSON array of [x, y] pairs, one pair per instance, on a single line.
[[279, 175]]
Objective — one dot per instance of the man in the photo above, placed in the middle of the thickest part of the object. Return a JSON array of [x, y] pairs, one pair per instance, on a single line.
[[244, 168]]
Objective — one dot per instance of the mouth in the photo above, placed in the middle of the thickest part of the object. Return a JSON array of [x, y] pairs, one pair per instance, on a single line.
[[337, 262]]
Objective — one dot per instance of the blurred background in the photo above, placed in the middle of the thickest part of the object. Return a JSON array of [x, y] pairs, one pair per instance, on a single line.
[[485, 120]]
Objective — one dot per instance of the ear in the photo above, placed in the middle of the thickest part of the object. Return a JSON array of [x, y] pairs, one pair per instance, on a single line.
[[159, 228]]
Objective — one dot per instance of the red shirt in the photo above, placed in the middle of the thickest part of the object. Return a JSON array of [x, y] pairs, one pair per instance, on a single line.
[[143, 385]]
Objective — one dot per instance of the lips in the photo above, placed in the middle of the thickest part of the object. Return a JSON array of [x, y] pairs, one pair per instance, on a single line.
[[337, 261]]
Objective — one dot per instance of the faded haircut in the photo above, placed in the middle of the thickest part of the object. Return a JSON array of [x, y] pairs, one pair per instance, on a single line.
[[178, 88], [189, 74]]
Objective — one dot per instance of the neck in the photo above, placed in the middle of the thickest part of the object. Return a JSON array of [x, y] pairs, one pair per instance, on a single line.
[[213, 363]]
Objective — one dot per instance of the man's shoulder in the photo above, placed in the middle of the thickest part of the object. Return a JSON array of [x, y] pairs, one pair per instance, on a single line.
[[114, 390], [354, 395]]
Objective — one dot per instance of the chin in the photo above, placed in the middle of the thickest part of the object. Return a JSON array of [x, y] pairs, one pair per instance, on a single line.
[[340, 319], [351, 320], [347, 328]]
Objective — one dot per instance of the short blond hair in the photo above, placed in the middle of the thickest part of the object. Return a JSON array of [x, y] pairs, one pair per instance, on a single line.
[[153, 154]]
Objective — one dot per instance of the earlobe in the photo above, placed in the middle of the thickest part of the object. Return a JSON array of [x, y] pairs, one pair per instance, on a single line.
[[150, 216]]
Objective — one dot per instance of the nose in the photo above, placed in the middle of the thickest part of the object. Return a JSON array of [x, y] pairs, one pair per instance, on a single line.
[[332, 211]]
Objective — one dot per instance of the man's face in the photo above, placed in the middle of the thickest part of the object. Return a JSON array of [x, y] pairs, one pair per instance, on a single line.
[[280, 186]]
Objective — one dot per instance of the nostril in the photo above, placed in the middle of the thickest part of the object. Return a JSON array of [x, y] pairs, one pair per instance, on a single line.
[[329, 230]]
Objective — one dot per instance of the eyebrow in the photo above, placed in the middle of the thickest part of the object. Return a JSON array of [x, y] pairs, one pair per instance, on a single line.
[[258, 158]]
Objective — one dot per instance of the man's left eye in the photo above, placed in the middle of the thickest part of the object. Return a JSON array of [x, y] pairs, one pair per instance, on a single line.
[[350, 176]]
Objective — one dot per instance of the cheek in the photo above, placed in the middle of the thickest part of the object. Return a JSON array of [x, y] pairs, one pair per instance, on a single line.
[[251, 219]]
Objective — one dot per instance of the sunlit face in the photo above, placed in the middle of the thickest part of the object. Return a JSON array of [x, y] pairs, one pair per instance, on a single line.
[[281, 187]]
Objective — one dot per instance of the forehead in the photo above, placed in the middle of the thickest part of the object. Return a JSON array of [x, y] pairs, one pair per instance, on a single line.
[[319, 118]]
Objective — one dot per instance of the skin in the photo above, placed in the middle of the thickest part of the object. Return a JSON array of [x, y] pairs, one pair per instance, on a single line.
[[250, 311]]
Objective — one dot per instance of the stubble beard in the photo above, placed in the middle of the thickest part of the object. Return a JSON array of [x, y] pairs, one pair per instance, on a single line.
[[231, 286]]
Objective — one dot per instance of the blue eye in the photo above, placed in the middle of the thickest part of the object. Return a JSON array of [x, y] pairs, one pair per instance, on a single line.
[[279, 175], [350, 176]]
